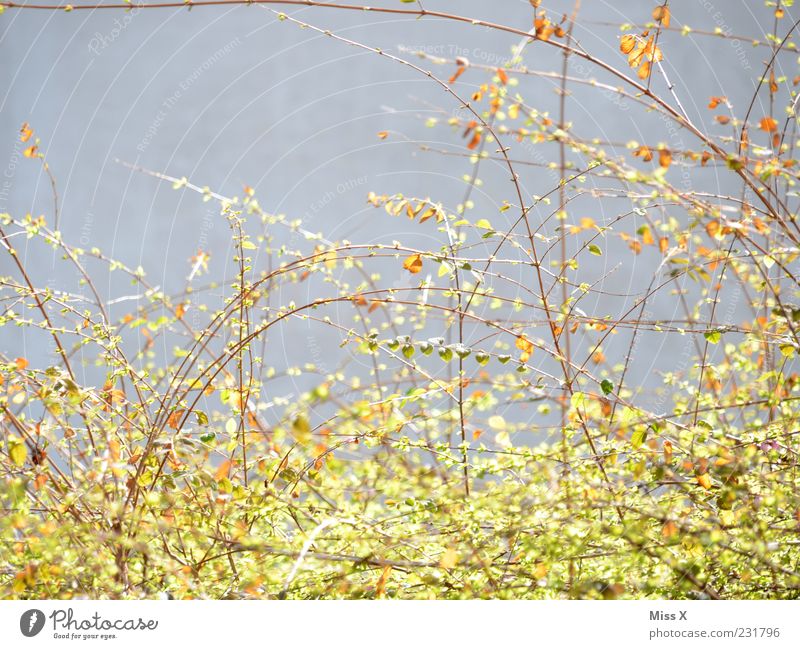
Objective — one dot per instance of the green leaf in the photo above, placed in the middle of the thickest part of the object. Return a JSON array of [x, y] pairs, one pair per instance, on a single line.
[[639, 437], [595, 250], [712, 336], [607, 386]]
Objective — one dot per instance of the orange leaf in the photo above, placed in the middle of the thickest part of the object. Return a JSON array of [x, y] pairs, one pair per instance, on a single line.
[[459, 71], [413, 264], [670, 529], [25, 132], [31, 151], [383, 134], [667, 451], [223, 470], [524, 344], [661, 15], [665, 158], [663, 244], [21, 363], [380, 587], [768, 124], [704, 481], [502, 76], [474, 142], [174, 419]]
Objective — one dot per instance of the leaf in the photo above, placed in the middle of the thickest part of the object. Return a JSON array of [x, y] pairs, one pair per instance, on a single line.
[[607, 386], [768, 124], [595, 250], [383, 134], [25, 132], [712, 336], [413, 264], [21, 363], [627, 43], [661, 15], [449, 559], [223, 470], [380, 587], [31, 151], [17, 451], [483, 224], [704, 480], [501, 74], [665, 158], [174, 419], [639, 437], [526, 346]]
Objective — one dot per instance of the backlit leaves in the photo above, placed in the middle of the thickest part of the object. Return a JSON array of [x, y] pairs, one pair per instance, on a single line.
[[641, 51]]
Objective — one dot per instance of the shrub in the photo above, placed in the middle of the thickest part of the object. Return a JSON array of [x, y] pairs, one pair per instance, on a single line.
[[491, 437]]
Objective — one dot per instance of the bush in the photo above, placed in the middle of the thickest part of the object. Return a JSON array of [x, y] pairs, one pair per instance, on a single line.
[[487, 432]]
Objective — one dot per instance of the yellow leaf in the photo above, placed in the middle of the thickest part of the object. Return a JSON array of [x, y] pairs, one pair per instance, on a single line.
[[413, 264], [449, 559], [17, 451], [704, 481], [627, 43]]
